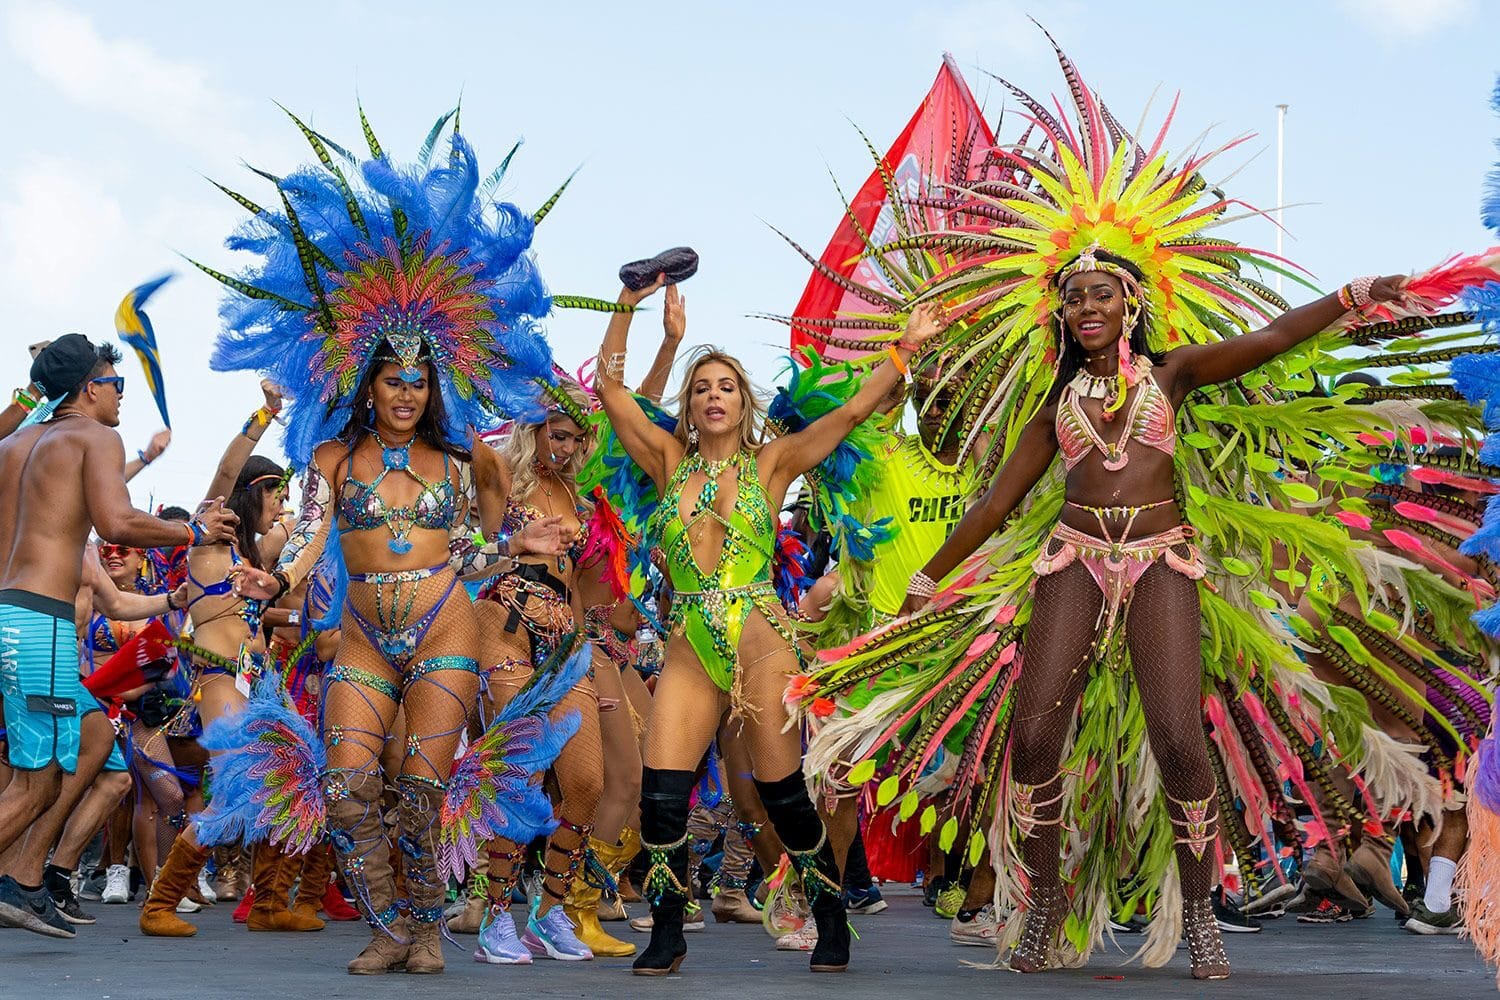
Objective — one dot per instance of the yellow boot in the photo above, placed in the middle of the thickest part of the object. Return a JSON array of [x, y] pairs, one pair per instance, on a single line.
[[616, 858], [582, 907]]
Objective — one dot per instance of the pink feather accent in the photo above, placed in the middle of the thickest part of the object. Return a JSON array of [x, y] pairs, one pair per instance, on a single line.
[[1442, 477], [1353, 520], [953, 718], [1428, 515], [1289, 764], [1407, 542], [607, 543]]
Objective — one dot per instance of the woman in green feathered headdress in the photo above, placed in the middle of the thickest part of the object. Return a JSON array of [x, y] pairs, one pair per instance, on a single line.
[[1120, 555]]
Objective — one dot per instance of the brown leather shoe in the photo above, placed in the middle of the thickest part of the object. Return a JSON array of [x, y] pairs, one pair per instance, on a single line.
[[383, 954]]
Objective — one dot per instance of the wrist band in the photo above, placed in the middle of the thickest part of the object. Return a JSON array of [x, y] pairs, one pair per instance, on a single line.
[[285, 582], [170, 605], [197, 532], [260, 419], [144, 460], [922, 586], [24, 400], [913, 348], [193, 533], [294, 618], [1346, 297], [896, 360]]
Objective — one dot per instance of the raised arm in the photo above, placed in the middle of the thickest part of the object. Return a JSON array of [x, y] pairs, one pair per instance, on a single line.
[[793, 454], [148, 454], [1207, 364], [673, 325], [243, 445], [652, 448], [1034, 453], [114, 518], [22, 402]]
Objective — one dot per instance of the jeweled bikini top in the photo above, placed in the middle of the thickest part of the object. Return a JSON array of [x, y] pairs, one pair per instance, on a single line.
[[1149, 420]]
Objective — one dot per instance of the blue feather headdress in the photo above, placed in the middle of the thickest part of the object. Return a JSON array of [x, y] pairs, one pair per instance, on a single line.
[[371, 258]]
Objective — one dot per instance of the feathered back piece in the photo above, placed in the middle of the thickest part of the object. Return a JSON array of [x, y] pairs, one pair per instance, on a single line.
[[360, 259], [813, 390]]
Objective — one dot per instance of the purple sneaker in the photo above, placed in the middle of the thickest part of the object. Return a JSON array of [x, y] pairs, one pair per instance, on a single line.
[[552, 936], [498, 944]]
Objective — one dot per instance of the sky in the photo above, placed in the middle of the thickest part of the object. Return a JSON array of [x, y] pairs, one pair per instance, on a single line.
[[698, 124]]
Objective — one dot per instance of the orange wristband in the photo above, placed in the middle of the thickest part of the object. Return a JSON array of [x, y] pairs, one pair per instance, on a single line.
[[896, 360]]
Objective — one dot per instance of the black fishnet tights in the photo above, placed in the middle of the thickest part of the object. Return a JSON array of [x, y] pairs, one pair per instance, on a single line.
[[1162, 635]]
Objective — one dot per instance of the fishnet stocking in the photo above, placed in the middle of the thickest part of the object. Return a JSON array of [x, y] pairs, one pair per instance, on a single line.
[[434, 688], [151, 763], [1163, 637], [1057, 656]]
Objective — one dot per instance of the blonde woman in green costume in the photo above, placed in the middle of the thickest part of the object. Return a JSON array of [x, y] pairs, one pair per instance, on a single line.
[[731, 647]]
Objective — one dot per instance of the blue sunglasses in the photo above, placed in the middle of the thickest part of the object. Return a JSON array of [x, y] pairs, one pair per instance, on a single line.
[[118, 381]]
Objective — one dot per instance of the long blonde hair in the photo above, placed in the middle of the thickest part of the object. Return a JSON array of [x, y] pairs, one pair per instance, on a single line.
[[519, 447], [753, 413]]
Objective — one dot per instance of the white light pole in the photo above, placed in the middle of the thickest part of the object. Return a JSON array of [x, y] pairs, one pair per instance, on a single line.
[[1280, 180]]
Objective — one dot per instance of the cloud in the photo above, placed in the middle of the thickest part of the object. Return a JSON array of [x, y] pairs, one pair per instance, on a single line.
[[174, 99], [1405, 19]]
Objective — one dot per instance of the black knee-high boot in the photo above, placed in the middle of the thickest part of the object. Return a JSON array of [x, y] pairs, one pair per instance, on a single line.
[[664, 815], [801, 830]]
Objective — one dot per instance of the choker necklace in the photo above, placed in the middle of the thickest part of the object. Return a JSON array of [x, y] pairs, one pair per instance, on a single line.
[[398, 458]]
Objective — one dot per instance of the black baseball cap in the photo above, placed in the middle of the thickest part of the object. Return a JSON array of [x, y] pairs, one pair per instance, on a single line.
[[63, 364]]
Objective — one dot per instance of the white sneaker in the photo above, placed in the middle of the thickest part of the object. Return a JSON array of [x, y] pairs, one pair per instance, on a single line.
[[205, 887], [981, 932], [804, 938], [116, 885], [186, 905]]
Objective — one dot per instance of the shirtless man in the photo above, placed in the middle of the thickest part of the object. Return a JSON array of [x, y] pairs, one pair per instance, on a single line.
[[59, 480]]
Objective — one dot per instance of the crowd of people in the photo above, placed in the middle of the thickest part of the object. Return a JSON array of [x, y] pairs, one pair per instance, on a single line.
[[529, 647]]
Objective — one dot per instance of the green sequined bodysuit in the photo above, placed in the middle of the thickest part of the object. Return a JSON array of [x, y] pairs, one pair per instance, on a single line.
[[710, 608]]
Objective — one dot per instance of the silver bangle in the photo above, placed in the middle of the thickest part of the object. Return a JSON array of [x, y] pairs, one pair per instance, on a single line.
[[922, 586]]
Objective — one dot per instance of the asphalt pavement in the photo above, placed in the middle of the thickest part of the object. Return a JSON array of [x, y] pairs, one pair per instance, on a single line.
[[903, 952]]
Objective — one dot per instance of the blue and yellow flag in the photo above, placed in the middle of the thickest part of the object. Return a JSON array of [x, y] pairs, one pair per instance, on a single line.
[[134, 328]]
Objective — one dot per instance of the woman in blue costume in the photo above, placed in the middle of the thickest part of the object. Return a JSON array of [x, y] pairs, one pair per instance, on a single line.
[[400, 311], [731, 647]]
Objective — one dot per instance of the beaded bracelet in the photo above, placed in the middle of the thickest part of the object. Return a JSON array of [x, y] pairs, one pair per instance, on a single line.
[[1356, 294], [1359, 290], [922, 586]]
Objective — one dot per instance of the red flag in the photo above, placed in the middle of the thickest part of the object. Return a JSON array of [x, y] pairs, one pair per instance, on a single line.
[[145, 659], [945, 142]]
